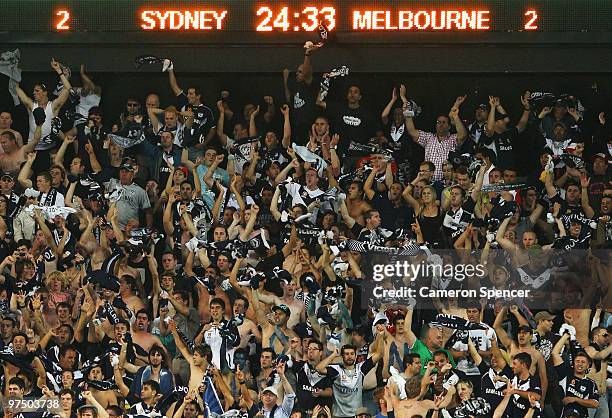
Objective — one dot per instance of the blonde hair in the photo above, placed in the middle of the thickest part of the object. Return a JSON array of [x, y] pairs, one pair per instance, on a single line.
[[57, 275]]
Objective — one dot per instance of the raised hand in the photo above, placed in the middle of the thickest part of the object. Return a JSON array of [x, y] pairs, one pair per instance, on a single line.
[[545, 111], [459, 100], [402, 93], [394, 94], [286, 74], [602, 118], [525, 100], [284, 110], [220, 106], [584, 180], [56, 66]]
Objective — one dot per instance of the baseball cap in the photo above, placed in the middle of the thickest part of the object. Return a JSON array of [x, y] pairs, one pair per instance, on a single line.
[[500, 116], [363, 411], [525, 328], [482, 106], [5, 175], [561, 124], [126, 165], [271, 389], [284, 308], [600, 155], [380, 317], [544, 316]]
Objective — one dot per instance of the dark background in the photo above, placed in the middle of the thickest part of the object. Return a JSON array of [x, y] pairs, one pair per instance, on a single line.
[[434, 92]]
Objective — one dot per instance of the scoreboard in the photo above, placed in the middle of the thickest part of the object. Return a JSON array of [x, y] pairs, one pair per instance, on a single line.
[[286, 21]]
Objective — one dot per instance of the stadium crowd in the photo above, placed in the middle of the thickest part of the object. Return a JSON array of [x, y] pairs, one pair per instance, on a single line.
[[185, 260]]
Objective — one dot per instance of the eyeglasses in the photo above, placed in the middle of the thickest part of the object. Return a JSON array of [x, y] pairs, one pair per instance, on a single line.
[[440, 122], [605, 335]]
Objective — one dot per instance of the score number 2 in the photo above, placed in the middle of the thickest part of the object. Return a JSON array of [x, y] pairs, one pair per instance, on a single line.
[[531, 24], [63, 23]]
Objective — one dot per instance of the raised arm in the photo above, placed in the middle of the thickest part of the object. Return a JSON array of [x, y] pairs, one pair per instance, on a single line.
[[499, 329], [173, 84], [454, 115], [489, 129], [65, 93], [384, 116], [522, 123], [24, 98], [286, 141], [350, 222], [286, 85], [59, 157], [221, 123], [179, 342], [504, 242], [584, 197], [478, 183], [252, 124], [410, 336], [88, 85], [367, 185], [274, 204]]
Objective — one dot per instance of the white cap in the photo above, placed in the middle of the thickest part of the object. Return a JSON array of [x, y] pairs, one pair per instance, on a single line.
[[270, 389]]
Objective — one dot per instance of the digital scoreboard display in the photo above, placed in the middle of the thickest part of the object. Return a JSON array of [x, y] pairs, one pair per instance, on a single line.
[[278, 21]]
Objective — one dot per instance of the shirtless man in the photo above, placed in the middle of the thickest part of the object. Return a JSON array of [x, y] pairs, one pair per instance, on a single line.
[[288, 299], [6, 120], [141, 335], [355, 203], [104, 397], [248, 327], [522, 345], [13, 155], [41, 100], [276, 333], [126, 292], [198, 362], [411, 406]]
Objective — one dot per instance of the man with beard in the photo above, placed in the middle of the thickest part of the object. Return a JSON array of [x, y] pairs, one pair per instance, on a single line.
[[156, 370], [522, 344], [312, 387], [348, 377], [580, 392]]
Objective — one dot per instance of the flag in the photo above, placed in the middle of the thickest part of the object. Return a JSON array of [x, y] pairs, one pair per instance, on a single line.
[[211, 399]]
